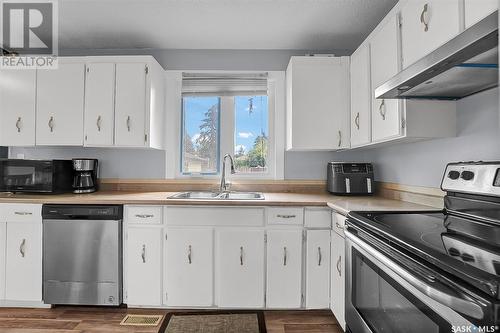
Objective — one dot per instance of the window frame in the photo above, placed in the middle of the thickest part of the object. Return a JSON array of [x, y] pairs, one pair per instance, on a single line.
[[276, 123]]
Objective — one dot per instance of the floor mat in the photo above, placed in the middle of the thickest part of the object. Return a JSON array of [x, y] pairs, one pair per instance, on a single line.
[[216, 322]]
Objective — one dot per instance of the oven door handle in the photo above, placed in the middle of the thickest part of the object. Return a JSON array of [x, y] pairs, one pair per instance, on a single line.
[[436, 291]]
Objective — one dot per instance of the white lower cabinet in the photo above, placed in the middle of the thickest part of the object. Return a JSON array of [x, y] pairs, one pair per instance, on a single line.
[[3, 239], [23, 261], [318, 269], [240, 268], [189, 267], [337, 294], [284, 268], [143, 266]]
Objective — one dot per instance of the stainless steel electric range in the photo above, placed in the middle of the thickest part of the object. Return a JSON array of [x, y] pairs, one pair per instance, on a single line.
[[435, 271]]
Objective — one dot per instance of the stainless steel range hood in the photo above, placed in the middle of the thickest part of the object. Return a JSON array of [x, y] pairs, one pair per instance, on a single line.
[[465, 65]]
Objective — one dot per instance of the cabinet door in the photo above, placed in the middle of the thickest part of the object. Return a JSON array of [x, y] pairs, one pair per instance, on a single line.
[[130, 104], [475, 10], [23, 278], [17, 107], [240, 268], [144, 266], [361, 98], [318, 103], [318, 269], [337, 289], [189, 267], [426, 25], [99, 104], [60, 99], [386, 115], [3, 239], [284, 269]]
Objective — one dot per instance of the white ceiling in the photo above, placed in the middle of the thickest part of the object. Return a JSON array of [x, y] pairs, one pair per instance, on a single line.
[[218, 24]]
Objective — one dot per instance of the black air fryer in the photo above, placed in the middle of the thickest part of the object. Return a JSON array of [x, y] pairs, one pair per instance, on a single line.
[[350, 178]]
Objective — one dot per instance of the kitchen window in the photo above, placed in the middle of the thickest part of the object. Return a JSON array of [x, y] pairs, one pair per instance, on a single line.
[[226, 114]]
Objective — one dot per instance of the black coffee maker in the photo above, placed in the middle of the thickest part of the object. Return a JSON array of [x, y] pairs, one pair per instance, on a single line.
[[85, 175]]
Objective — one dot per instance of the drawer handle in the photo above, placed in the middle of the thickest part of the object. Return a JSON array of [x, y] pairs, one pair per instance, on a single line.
[[382, 109], [320, 257], [423, 17], [284, 256], [23, 213], [128, 123], [340, 138], [51, 124], [22, 248], [189, 255], [356, 121], [143, 253], [241, 255], [98, 123], [339, 261], [281, 216], [18, 124], [339, 226], [144, 216]]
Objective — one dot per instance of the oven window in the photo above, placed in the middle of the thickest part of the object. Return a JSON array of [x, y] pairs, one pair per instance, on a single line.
[[386, 306]]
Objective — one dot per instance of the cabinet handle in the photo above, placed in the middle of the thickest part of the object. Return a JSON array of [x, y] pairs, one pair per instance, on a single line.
[[339, 261], [382, 109], [128, 123], [339, 226], [98, 123], [320, 257], [189, 254], [241, 255], [282, 216], [22, 248], [144, 216], [143, 253], [284, 256], [340, 138], [51, 124], [356, 121], [23, 213], [423, 19], [18, 124]]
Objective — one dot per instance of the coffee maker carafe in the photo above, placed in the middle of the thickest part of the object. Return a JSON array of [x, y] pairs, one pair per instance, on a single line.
[[85, 171]]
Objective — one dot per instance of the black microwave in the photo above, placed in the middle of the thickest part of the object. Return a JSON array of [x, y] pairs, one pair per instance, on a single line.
[[36, 176]]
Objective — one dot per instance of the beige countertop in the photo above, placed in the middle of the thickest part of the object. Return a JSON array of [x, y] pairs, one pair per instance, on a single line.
[[341, 204]]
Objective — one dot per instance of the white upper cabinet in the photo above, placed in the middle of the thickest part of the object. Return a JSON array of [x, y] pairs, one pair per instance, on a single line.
[[189, 267], [284, 268], [17, 110], [426, 25], [360, 97], [60, 100], [240, 268], [385, 63], [99, 104], [475, 10], [318, 103]]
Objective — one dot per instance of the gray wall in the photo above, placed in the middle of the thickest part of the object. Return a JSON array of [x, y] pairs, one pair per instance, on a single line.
[[423, 163]]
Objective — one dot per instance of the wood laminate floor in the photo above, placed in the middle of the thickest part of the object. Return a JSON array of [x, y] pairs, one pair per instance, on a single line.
[[107, 320]]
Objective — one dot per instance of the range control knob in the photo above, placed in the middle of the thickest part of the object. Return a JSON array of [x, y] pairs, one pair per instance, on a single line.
[[467, 175], [453, 174]]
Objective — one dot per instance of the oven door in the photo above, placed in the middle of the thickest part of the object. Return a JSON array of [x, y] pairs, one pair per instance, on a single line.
[[382, 297], [26, 176]]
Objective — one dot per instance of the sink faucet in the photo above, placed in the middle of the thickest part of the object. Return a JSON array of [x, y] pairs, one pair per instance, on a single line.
[[224, 186]]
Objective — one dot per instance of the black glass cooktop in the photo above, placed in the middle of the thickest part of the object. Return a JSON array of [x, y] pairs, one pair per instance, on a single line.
[[457, 244]]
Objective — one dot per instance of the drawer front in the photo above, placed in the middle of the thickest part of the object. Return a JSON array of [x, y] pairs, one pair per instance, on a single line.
[[30, 213], [318, 218], [144, 214], [214, 216], [285, 216], [338, 223]]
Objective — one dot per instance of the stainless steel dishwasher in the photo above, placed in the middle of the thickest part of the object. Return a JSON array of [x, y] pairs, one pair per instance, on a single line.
[[82, 254]]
